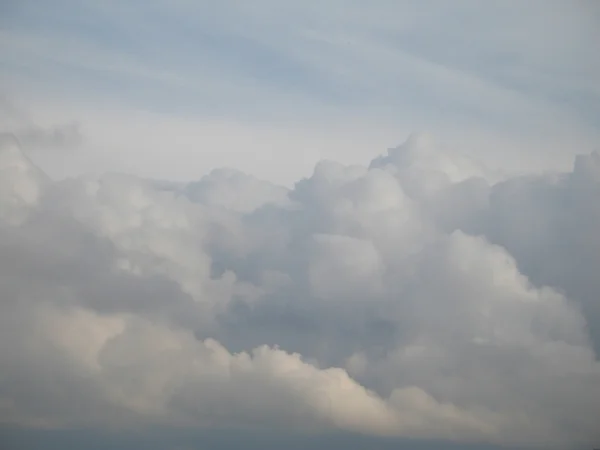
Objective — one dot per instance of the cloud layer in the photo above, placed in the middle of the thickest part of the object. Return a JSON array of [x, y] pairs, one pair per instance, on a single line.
[[419, 297]]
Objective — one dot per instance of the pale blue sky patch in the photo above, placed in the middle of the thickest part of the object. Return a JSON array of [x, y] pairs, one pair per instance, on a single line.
[[514, 72]]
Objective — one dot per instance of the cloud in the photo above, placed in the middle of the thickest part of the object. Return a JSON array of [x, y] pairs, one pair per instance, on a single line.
[[59, 137], [20, 180], [316, 62], [420, 297], [31, 137], [234, 190]]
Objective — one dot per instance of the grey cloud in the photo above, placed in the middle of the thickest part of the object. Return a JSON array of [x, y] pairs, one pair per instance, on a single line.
[[234, 190], [551, 224], [166, 439], [33, 137], [418, 298], [11, 114], [59, 137]]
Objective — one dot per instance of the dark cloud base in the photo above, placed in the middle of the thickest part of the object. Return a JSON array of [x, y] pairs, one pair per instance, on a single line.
[[26, 439]]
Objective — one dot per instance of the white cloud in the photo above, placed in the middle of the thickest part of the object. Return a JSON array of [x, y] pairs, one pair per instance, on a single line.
[[421, 295], [418, 298]]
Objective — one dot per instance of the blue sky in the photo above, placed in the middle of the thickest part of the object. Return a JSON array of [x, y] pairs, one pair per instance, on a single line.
[[509, 82]]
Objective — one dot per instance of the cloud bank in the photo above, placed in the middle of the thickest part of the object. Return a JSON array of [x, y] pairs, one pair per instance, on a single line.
[[418, 297]]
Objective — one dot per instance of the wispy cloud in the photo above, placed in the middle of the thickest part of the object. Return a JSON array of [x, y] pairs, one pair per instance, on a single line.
[[520, 76], [384, 53]]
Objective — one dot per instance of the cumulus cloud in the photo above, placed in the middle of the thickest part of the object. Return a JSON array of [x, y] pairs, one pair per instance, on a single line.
[[234, 190], [420, 297]]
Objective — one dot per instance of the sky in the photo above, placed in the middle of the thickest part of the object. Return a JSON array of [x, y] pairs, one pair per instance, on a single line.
[[172, 89], [327, 224]]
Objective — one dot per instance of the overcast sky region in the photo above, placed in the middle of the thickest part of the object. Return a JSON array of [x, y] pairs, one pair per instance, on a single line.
[[299, 224]]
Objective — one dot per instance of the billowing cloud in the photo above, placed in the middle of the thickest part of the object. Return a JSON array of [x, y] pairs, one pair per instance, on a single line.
[[419, 297]]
